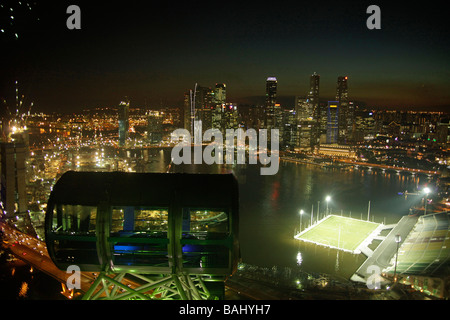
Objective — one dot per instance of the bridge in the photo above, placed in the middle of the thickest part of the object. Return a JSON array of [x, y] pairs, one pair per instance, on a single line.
[[388, 167], [384, 252]]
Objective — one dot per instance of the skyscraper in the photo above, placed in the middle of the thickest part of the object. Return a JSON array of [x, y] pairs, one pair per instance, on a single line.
[[124, 125], [332, 122], [187, 118], [203, 104], [154, 127], [308, 115], [313, 95], [218, 106], [220, 93], [345, 114], [271, 100]]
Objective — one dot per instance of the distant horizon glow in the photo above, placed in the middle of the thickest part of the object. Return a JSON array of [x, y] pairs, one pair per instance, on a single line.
[[154, 57]]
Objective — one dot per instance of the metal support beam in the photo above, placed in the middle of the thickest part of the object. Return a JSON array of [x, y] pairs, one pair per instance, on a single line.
[[166, 287]]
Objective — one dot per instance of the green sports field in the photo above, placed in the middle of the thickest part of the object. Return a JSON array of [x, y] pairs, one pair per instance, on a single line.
[[339, 232]]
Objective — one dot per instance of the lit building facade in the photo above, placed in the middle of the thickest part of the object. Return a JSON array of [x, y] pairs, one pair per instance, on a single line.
[[335, 150], [271, 100], [218, 106], [313, 95], [332, 122], [346, 111], [203, 106], [154, 127], [124, 124]]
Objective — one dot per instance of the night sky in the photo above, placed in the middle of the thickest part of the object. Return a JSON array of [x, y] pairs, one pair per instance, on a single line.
[[153, 52]]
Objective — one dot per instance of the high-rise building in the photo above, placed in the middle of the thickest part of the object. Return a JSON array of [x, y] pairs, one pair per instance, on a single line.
[[271, 100], [443, 131], [346, 112], [364, 125], [124, 124], [154, 127], [13, 177], [308, 115], [187, 113], [218, 107], [230, 117], [313, 95], [289, 132], [220, 93], [203, 106], [332, 122], [303, 108]]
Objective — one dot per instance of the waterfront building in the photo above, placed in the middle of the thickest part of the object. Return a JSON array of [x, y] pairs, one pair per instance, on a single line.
[[336, 150]]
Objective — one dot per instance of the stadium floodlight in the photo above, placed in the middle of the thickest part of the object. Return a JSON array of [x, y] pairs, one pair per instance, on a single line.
[[426, 190], [328, 198]]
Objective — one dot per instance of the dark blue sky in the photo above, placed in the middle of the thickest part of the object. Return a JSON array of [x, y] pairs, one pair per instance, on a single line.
[[154, 53]]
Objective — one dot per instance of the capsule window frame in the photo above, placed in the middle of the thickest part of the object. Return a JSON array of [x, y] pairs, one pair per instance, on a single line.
[[72, 222], [204, 234], [130, 229]]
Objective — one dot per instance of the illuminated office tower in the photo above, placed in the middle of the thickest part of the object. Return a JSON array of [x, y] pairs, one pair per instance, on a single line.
[[187, 112], [303, 109], [124, 124], [313, 95], [218, 106], [271, 100], [154, 127], [364, 126], [203, 106], [345, 114], [332, 122], [220, 93], [230, 116]]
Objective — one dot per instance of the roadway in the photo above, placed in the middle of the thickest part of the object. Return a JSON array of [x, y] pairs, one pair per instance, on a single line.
[[387, 167], [384, 252], [34, 252]]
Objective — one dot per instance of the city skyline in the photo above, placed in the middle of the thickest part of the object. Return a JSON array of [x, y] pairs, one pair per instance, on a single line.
[[155, 56]]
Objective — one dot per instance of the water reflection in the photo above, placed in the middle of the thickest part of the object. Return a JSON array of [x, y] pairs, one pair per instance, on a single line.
[[299, 258]]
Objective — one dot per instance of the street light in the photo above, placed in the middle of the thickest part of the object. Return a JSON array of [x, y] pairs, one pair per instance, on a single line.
[[301, 214], [426, 191], [398, 238], [327, 199]]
